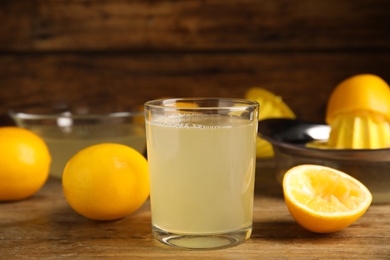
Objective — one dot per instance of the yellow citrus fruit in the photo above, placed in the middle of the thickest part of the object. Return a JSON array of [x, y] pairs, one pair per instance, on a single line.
[[363, 92], [271, 106], [106, 181], [24, 163], [322, 199]]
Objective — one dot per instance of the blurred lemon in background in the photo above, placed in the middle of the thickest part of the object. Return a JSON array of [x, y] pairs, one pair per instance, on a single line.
[[271, 106], [358, 112], [323, 199], [106, 181], [363, 92], [24, 163]]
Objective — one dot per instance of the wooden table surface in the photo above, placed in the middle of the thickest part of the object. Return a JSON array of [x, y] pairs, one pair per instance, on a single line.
[[45, 227]]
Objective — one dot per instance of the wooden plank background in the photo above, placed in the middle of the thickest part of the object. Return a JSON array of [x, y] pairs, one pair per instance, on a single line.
[[128, 52]]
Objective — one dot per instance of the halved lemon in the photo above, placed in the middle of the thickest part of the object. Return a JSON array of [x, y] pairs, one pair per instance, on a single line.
[[363, 92], [322, 199], [271, 106], [358, 113]]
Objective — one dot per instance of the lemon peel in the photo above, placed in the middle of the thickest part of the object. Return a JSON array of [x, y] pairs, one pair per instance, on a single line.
[[322, 199], [271, 106]]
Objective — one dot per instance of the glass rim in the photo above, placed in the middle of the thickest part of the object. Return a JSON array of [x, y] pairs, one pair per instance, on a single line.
[[27, 116], [45, 113], [164, 103]]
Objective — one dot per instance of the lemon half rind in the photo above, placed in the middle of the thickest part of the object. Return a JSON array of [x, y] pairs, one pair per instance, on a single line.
[[271, 106], [319, 220]]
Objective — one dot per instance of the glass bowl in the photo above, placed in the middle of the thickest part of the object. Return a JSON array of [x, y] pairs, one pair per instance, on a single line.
[[289, 138], [68, 129]]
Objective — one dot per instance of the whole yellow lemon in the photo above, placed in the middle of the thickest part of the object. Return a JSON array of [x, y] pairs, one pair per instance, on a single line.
[[24, 163], [106, 181]]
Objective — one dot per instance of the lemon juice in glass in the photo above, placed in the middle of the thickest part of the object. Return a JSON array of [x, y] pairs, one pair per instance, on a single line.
[[67, 130], [202, 157]]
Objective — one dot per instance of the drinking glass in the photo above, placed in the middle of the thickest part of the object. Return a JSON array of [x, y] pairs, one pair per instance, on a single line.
[[69, 129], [202, 156]]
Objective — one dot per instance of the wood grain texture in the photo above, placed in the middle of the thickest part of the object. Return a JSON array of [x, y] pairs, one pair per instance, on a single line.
[[304, 80], [193, 25], [130, 51], [45, 227]]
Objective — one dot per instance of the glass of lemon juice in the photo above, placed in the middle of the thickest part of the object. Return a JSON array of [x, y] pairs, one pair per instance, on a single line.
[[70, 128], [202, 156]]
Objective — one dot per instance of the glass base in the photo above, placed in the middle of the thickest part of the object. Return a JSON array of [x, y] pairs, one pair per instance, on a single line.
[[203, 242]]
